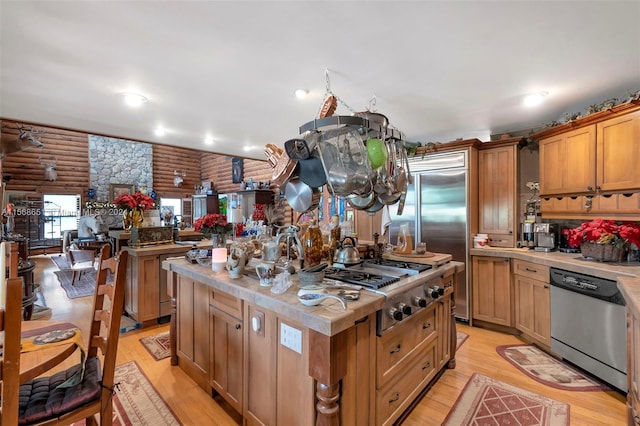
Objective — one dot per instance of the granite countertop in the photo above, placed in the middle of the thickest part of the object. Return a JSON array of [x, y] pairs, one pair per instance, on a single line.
[[328, 318], [626, 274], [167, 248]]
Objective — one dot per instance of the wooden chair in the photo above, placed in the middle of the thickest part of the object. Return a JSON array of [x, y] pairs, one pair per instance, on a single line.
[[42, 402], [81, 260], [11, 324]]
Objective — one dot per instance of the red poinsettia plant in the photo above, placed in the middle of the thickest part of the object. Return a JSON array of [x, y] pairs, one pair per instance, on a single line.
[[137, 200], [212, 223], [603, 231]]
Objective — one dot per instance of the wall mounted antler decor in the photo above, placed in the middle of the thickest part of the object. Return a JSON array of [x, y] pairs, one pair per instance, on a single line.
[[50, 173], [27, 138]]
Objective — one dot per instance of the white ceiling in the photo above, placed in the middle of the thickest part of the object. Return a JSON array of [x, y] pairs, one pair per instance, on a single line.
[[438, 70]]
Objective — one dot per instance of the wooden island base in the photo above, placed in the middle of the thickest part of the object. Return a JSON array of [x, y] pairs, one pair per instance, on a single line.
[[266, 353]]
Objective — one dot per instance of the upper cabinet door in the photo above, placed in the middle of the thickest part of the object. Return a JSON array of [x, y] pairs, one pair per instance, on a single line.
[[497, 188], [618, 153], [568, 162]]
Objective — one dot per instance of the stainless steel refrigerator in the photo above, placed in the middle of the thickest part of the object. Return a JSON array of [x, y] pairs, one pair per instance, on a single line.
[[438, 211]]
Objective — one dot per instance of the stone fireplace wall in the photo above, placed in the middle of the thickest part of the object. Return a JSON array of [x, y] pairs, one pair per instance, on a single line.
[[119, 161]]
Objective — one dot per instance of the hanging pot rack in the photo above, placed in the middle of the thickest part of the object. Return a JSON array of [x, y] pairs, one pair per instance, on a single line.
[[360, 123]]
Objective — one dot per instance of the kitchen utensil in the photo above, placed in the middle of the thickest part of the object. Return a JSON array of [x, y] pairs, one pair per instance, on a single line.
[[362, 202], [349, 295], [266, 271], [376, 152], [377, 206], [313, 299], [300, 196], [347, 254], [328, 107], [297, 149], [283, 169]]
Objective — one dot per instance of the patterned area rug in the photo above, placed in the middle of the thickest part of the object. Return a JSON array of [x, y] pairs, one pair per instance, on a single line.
[[486, 401], [137, 402], [61, 262], [461, 337], [547, 370], [157, 345], [84, 286]]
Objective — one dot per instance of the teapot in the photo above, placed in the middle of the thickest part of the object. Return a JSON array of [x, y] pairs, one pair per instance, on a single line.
[[347, 254]]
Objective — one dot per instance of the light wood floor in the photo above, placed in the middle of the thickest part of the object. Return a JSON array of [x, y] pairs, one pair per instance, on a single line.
[[195, 407]]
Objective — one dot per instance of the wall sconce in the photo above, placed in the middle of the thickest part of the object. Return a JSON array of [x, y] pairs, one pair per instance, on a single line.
[[178, 178]]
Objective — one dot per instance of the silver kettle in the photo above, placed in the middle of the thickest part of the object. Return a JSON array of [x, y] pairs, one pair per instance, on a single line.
[[347, 254]]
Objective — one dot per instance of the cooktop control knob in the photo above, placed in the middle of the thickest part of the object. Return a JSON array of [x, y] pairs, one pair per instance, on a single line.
[[406, 309], [395, 314], [440, 290], [420, 302], [433, 292]]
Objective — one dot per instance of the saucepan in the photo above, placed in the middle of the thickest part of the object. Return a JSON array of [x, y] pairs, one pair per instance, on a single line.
[[300, 196]]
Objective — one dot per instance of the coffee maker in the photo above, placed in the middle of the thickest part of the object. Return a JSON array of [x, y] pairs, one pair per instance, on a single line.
[[527, 237], [545, 235]]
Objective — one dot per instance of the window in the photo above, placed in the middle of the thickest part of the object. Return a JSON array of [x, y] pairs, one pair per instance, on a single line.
[[172, 204], [61, 213]]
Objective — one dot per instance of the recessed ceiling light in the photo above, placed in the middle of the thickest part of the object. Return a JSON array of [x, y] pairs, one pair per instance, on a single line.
[[301, 93], [208, 140], [134, 99], [160, 131], [535, 99]]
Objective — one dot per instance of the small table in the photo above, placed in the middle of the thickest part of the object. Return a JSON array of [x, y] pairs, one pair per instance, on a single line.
[[96, 246], [34, 363]]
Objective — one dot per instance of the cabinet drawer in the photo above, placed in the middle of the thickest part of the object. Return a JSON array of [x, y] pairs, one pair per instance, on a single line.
[[531, 270], [226, 303], [394, 398], [392, 348], [427, 326], [502, 240]]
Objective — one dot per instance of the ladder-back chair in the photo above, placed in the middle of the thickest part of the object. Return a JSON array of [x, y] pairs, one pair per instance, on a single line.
[[42, 401]]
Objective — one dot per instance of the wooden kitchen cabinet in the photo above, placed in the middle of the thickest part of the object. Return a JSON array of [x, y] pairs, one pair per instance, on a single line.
[[532, 300], [278, 388], [623, 206], [568, 162], [192, 344], [633, 367], [617, 153], [407, 358], [226, 330], [592, 155], [491, 290], [497, 191]]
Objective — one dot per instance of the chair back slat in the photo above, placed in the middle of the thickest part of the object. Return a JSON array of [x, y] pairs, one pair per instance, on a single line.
[[10, 367]]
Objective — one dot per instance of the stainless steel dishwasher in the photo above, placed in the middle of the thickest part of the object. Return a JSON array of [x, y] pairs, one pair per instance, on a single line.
[[588, 325]]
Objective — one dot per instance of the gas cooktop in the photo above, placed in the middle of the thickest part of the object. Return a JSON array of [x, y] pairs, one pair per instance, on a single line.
[[363, 278], [410, 268]]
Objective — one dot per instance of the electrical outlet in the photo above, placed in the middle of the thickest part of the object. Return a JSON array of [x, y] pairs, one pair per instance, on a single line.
[[291, 337]]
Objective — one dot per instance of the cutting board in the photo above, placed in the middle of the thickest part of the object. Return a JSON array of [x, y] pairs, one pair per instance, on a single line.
[[434, 259]]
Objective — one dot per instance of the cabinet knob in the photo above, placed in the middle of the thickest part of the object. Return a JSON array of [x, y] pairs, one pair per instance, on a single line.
[[238, 326], [589, 188], [395, 350], [427, 365], [395, 397]]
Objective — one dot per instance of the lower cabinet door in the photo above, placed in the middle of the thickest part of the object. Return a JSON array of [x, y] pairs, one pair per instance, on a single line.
[[226, 356]]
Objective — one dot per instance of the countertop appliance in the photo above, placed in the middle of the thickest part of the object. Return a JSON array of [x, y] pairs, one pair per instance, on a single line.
[[588, 325], [545, 235], [437, 209], [403, 298]]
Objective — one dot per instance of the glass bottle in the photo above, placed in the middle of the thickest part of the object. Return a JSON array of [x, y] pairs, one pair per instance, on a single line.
[[405, 241], [312, 245]]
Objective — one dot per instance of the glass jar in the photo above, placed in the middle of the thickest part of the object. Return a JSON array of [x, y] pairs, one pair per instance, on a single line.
[[312, 245]]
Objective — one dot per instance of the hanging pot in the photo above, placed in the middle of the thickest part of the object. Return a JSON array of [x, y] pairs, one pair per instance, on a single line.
[[362, 202], [300, 196]]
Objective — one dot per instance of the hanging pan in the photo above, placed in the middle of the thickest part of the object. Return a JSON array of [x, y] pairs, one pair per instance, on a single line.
[[300, 196]]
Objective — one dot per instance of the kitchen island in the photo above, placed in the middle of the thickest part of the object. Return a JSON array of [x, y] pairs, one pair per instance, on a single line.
[[146, 296], [277, 361]]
